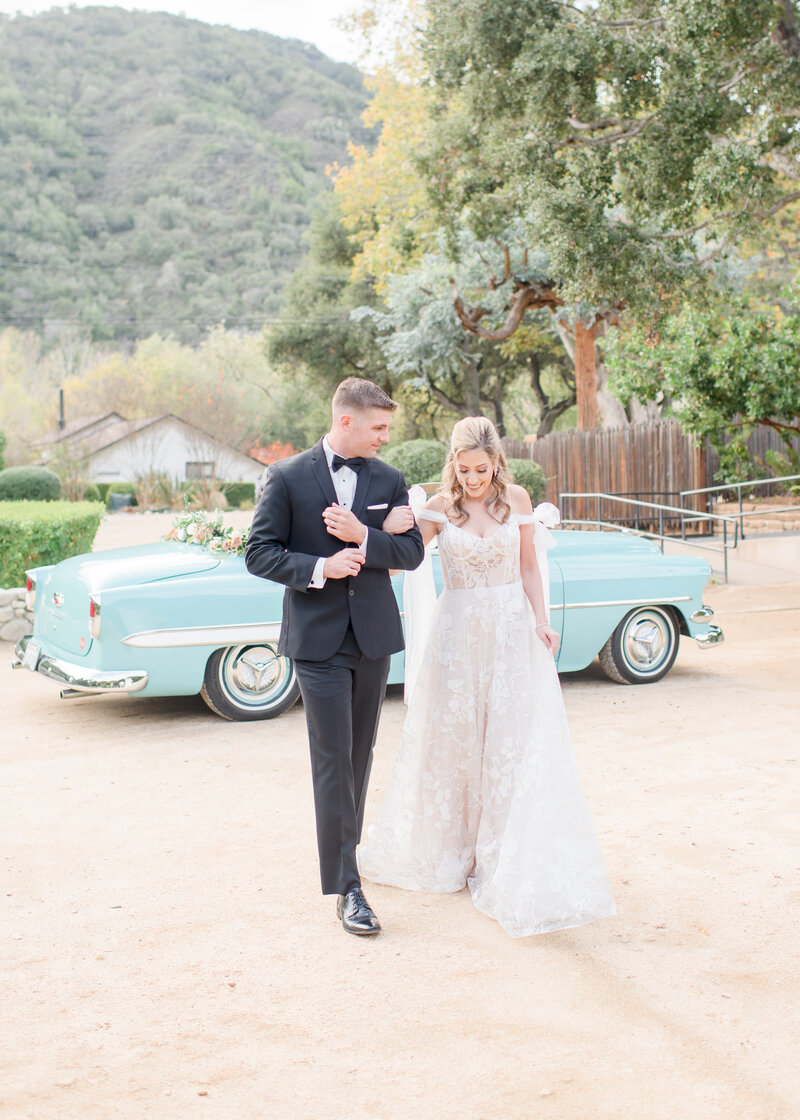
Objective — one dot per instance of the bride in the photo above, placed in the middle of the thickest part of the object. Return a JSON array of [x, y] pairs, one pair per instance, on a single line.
[[485, 790]]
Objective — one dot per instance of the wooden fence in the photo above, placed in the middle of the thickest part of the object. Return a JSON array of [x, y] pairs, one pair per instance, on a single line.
[[652, 461]]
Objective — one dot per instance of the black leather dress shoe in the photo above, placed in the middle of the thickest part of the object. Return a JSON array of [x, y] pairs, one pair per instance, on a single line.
[[356, 913]]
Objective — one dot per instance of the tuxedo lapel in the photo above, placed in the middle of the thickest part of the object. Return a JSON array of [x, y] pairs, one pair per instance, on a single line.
[[362, 488], [319, 463]]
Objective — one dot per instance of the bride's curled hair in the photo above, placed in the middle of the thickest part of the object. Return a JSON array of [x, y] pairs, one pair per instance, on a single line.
[[476, 433]]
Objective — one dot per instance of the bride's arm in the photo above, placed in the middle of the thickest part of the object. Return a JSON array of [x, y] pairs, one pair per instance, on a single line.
[[429, 519], [529, 570]]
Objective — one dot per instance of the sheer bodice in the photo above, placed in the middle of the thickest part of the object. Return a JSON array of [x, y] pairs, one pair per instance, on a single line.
[[485, 790], [470, 561]]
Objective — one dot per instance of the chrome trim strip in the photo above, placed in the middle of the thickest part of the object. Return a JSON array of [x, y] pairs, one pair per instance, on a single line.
[[78, 678], [703, 613], [714, 637], [622, 603], [246, 632]]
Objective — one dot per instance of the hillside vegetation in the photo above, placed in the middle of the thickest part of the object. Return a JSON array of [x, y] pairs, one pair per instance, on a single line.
[[158, 173]]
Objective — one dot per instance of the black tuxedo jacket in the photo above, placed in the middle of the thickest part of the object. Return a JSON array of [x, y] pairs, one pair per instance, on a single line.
[[288, 536]]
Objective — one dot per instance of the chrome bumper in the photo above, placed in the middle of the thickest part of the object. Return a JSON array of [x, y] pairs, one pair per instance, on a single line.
[[77, 680], [712, 637]]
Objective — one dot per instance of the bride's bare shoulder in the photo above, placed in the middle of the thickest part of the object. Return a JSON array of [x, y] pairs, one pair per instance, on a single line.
[[519, 499]]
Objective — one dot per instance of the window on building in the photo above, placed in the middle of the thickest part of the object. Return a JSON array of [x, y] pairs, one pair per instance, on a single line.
[[199, 470]]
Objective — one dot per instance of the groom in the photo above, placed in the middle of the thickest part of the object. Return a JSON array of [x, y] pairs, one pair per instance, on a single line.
[[318, 530]]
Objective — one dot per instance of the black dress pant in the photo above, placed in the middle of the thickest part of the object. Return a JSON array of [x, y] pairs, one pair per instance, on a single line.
[[342, 698]]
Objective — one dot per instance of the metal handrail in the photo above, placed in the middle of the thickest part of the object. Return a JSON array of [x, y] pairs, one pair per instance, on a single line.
[[686, 515], [740, 486]]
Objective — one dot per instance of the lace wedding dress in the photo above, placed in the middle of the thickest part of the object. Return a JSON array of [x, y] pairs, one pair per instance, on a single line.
[[485, 790]]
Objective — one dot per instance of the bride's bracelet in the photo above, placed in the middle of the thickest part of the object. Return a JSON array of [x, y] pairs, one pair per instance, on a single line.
[[542, 625]]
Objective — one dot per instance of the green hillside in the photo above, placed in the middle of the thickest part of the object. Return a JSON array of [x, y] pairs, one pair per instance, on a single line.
[[156, 173]]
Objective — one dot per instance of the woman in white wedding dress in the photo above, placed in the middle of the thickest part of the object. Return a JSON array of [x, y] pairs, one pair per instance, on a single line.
[[485, 790]]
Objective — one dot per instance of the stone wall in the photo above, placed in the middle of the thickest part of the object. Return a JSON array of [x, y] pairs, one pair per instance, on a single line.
[[15, 619]]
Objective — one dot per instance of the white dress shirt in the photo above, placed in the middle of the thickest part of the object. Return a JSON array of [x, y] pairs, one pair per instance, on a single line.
[[345, 481]]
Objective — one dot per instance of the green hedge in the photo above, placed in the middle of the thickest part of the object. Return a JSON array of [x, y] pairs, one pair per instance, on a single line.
[[32, 484], [418, 459], [530, 475], [238, 492], [35, 533]]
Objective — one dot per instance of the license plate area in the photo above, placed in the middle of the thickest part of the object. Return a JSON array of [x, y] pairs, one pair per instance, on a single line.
[[30, 658]]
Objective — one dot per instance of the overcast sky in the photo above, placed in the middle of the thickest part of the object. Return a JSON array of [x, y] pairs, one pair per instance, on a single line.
[[309, 20]]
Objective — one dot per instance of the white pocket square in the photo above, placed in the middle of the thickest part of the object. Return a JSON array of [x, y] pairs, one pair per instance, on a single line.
[[380, 505]]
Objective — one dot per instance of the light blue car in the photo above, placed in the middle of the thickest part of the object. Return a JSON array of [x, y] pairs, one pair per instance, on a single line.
[[176, 619]]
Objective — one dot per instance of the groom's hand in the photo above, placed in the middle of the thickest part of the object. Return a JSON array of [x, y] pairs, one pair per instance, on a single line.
[[344, 524], [343, 564]]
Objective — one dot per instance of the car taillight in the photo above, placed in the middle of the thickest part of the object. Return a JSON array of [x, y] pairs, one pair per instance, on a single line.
[[94, 616], [30, 592]]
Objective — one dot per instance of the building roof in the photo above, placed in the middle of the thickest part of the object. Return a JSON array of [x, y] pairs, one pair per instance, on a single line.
[[75, 427], [98, 438]]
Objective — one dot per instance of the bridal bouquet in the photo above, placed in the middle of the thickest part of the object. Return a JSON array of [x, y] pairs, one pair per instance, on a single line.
[[207, 529]]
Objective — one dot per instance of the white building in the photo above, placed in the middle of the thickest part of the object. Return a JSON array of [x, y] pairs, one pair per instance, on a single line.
[[120, 450]]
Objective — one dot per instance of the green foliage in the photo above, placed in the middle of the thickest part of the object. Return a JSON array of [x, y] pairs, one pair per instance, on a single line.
[[238, 492], [633, 137], [34, 484], [418, 459], [92, 493], [2, 450], [786, 464], [38, 533], [530, 475], [158, 172], [320, 344], [720, 372], [421, 336], [102, 489]]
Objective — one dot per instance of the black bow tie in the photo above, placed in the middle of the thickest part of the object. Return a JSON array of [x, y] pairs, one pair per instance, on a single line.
[[355, 464]]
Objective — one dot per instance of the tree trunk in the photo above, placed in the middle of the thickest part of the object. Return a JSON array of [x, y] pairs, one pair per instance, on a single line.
[[472, 386], [585, 383], [548, 413]]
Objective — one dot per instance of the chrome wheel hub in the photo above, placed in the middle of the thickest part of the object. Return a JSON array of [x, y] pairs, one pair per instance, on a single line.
[[256, 670], [647, 642]]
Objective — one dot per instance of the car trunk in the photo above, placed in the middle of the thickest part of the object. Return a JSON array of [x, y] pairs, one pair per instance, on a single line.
[[63, 598]]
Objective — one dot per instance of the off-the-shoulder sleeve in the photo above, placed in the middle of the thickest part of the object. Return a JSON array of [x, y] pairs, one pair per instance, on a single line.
[[524, 518], [431, 515]]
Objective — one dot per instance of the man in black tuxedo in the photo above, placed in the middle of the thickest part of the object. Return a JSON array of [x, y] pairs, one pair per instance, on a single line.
[[340, 619]]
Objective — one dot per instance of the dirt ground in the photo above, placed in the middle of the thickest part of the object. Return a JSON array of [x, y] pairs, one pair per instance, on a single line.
[[166, 952]]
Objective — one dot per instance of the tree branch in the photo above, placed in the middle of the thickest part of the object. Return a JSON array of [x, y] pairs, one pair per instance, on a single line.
[[626, 133], [614, 24], [786, 34], [674, 234], [527, 295]]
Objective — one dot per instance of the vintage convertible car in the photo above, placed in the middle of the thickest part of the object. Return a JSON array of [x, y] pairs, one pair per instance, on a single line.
[[176, 619]]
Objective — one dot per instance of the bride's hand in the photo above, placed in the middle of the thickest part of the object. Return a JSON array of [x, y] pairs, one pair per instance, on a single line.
[[549, 636], [399, 519]]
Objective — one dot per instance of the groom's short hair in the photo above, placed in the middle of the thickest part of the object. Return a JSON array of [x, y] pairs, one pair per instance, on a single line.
[[357, 394]]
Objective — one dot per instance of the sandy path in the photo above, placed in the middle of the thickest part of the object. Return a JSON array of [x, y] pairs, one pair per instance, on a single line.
[[166, 954]]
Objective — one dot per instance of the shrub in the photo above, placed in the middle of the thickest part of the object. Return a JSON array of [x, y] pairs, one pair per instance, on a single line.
[[34, 533], [418, 459], [238, 492], [2, 450], [32, 484], [102, 490], [530, 475], [91, 493]]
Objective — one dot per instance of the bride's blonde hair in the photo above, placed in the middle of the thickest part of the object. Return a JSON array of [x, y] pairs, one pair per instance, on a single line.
[[476, 433]]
